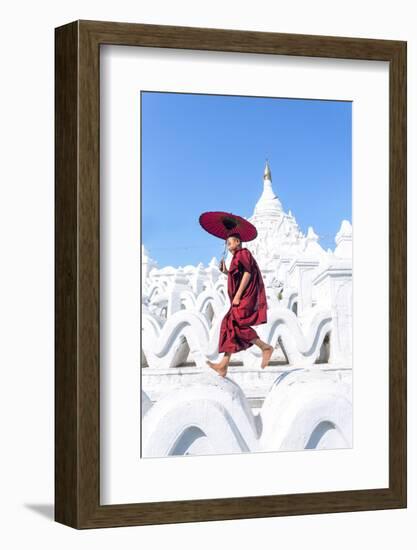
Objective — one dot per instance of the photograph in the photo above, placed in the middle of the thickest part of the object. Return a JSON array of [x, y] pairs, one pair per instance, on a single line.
[[215, 357], [246, 274], [214, 217]]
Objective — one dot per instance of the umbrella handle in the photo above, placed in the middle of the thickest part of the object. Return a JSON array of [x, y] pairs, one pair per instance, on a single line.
[[224, 251], [223, 255]]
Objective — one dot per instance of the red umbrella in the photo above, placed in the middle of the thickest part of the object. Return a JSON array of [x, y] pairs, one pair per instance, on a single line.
[[224, 224]]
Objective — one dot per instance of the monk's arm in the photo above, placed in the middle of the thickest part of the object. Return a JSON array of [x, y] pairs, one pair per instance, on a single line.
[[223, 268], [243, 283]]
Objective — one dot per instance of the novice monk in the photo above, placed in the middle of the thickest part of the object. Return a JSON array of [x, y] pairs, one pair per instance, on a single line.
[[248, 307]]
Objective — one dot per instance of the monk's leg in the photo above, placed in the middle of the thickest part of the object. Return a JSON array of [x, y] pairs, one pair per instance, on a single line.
[[267, 350], [221, 367]]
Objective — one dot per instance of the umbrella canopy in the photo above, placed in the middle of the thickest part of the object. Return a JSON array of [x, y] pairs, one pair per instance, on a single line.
[[224, 224]]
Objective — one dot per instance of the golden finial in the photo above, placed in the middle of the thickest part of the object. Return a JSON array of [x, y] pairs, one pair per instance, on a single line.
[[267, 172]]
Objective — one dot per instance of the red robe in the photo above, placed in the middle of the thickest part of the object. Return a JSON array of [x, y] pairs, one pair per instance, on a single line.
[[235, 330]]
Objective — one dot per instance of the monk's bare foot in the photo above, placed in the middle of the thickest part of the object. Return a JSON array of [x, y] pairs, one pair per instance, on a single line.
[[220, 368], [266, 356]]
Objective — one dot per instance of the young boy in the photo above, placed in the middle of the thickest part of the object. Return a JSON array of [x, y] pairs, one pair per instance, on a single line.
[[248, 307]]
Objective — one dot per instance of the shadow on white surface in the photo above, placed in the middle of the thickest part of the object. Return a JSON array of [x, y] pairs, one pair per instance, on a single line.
[[46, 510]]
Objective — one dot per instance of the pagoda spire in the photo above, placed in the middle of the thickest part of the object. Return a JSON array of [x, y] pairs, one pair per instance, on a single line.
[[267, 172], [268, 203]]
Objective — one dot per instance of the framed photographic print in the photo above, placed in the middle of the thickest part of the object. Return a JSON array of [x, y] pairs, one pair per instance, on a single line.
[[230, 233]]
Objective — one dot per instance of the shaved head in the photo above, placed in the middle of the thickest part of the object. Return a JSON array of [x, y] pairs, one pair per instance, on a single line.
[[235, 236], [234, 242]]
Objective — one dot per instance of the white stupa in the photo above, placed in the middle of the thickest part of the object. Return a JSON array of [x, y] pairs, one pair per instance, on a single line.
[[269, 205], [278, 231]]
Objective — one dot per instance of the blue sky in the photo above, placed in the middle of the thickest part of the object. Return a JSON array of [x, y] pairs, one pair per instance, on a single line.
[[207, 152]]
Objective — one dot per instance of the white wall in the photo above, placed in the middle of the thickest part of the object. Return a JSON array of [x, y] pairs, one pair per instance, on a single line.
[[27, 272]]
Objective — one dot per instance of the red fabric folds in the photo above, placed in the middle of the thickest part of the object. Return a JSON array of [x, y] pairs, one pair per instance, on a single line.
[[235, 330]]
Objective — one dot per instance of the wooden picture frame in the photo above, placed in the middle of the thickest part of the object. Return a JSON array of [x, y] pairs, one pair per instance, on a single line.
[[77, 195]]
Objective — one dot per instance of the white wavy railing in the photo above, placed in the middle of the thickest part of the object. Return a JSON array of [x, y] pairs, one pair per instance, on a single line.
[[168, 343], [158, 294]]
